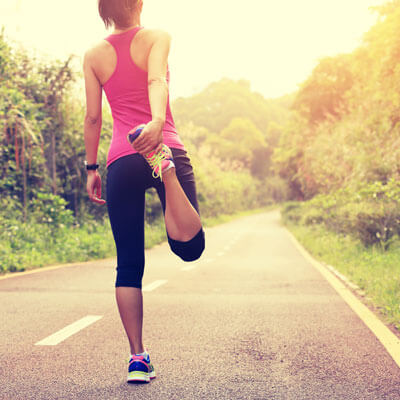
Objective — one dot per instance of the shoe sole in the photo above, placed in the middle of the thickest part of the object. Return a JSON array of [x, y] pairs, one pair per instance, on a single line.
[[140, 376]]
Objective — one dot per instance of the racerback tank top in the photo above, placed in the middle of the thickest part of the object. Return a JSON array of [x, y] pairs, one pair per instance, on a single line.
[[127, 93]]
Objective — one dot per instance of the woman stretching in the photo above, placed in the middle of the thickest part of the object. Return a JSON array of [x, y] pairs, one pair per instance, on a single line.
[[131, 66]]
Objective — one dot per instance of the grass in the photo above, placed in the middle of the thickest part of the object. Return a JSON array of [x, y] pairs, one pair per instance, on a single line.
[[36, 246], [376, 272]]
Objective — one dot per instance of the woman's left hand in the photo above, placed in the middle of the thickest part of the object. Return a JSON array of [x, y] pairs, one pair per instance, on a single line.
[[150, 139], [93, 187]]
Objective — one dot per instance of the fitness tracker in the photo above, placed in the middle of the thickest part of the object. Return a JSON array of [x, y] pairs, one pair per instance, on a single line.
[[91, 167]]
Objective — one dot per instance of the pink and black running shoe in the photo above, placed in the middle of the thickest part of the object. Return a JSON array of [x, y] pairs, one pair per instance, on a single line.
[[159, 162]]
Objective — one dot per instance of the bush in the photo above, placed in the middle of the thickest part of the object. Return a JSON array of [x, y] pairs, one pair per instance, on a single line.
[[276, 189], [224, 191], [371, 214], [291, 212], [377, 227], [50, 209]]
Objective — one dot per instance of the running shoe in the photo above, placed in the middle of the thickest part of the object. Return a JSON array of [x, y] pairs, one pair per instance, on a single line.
[[140, 369], [159, 162]]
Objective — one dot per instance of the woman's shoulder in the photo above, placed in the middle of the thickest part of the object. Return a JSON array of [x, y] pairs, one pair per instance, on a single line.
[[102, 49], [152, 35], [99, 49]]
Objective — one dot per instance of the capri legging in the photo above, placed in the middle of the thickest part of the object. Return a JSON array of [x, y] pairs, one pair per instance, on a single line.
[[128, 178]]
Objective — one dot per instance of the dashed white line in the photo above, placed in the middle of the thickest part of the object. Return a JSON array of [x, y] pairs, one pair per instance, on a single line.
[[68, 331], [189, 268], [193, 266], [153, 285]]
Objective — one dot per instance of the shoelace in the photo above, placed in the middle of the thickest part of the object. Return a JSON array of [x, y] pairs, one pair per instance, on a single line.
[[155, 161]]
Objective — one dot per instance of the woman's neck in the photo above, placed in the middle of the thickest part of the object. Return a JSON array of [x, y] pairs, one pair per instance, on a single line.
[[135, 23]]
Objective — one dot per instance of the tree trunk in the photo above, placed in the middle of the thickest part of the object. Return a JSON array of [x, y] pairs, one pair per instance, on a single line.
[[24, 181], [53, 162]]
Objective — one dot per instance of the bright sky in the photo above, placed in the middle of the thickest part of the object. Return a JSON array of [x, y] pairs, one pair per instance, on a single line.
[[274, 44]]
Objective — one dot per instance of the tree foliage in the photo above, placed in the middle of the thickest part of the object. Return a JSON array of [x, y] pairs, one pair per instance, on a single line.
[[222, 101], [344, 130]]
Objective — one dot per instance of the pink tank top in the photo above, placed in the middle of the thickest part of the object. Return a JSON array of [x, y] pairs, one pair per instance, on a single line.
[[127, 94]]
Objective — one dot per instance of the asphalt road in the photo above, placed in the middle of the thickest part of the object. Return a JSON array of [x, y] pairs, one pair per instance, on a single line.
[[253, 319]]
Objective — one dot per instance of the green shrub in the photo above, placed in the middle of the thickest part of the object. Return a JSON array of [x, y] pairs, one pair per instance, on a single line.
[[275, 190], [377, 227], [370, 214], [292, 212], [313, 217], [50, 209]]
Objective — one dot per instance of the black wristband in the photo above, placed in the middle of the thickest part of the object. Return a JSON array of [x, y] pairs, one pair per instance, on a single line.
[[91, 167]]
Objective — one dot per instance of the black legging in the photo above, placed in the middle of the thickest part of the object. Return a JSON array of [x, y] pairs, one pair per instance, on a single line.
[[128, 178]]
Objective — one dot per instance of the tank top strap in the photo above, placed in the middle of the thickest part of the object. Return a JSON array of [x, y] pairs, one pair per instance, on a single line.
[[122, 44]]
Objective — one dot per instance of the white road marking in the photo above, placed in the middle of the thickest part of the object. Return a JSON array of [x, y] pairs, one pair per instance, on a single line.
[[153, 285], [68, 331], [189, 268], [388, 339], [342, 277]]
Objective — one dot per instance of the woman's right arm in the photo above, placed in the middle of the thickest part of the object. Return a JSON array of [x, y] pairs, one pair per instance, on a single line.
[[151, 137], [157, 76]]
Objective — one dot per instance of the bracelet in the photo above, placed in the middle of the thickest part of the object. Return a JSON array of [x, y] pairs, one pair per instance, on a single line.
[[158, 79]]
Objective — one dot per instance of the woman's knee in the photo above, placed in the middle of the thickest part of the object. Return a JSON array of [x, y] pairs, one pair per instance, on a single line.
[[129, 276], [190, 250]]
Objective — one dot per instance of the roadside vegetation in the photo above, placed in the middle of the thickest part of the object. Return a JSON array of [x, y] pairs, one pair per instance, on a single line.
[[340, 155], [359, 237]]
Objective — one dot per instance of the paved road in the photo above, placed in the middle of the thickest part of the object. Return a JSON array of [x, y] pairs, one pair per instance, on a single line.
[[252, 320]]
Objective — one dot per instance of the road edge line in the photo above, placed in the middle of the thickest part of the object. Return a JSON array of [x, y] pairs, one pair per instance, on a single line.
[[50, 267], [385, 336]]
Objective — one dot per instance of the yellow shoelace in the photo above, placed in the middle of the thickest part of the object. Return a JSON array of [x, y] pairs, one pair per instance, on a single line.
[[155, 161]]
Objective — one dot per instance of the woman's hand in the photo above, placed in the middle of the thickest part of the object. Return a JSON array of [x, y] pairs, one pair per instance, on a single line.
[[93, 187], [151, 137]]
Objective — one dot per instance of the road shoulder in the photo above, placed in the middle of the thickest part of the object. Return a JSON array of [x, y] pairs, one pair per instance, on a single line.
[[388, 339]]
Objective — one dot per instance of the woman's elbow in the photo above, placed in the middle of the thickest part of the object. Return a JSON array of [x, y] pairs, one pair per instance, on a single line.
[[92, 119]]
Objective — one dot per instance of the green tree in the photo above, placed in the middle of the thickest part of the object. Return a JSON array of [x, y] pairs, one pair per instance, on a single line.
[[323, 94]]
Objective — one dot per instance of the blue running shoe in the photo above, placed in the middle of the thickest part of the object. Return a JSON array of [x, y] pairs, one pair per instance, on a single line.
[[140, 369]]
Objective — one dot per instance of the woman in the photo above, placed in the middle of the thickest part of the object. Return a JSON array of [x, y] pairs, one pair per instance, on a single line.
[[131, 66]]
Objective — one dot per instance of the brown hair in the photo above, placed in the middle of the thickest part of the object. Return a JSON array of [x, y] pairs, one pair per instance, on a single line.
[[117, 12]]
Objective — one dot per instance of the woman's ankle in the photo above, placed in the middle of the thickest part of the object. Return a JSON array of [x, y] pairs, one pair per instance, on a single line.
[[137, 350], [169, 174]]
